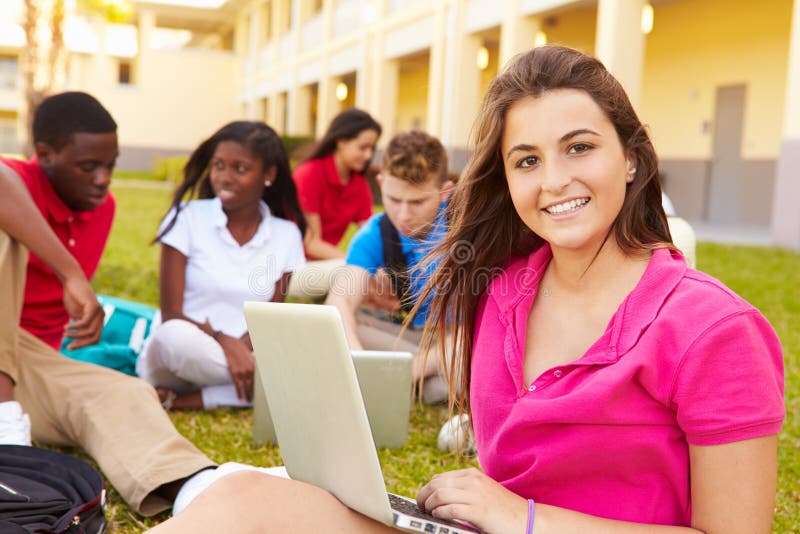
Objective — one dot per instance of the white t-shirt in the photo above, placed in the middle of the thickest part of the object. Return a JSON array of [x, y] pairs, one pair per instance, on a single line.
[[221, 274]]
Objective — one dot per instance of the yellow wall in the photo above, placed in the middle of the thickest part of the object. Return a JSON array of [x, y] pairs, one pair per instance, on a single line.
[[575, 28], [491, 70], [412, 98], [697, 46], [179, 98], [350, 101]]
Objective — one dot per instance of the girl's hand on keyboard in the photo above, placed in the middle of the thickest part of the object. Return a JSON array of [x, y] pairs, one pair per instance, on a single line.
[[469, 495]]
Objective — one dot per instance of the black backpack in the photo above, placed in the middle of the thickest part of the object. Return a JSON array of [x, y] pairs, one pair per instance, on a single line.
[[396, 266], [44, 491]]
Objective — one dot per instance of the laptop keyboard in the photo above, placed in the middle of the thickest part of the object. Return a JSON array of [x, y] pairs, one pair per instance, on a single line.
[[405, 506], [428, 522]]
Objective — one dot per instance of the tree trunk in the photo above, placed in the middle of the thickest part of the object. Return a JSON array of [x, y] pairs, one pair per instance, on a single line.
[[42, 62]]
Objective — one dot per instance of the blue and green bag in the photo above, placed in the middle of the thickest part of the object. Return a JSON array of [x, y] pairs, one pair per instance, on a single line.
[[127, 325]]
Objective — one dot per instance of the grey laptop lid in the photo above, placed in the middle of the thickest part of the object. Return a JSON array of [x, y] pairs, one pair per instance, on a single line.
[[307, 372], [385, 382]]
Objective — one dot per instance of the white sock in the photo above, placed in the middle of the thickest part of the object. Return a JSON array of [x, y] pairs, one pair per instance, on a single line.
[[202, 480], [15, 426]]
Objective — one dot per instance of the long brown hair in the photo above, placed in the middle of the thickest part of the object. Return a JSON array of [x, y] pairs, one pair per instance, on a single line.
[[485, 229], [345, 126]]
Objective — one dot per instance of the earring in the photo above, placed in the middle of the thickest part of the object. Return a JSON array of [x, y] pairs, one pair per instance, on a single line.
[[267, 183]]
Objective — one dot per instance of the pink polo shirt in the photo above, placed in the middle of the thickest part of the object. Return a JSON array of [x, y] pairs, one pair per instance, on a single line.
[[683, 360]]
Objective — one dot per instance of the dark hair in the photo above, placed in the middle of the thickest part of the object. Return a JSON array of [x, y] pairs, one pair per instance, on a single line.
[[483, 217], [414, 156], [59, 117], [265, 144], [345, 126]]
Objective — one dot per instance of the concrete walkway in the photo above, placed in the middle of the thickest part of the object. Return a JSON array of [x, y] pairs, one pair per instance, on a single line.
[[141, 184], [734, 234]]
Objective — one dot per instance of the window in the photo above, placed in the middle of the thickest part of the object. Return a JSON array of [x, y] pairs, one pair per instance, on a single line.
[[8, 135], [9, 70], [125, 73]]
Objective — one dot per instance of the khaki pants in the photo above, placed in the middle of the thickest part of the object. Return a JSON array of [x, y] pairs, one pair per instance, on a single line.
[[115, 418], [378, 334], [313, 280]]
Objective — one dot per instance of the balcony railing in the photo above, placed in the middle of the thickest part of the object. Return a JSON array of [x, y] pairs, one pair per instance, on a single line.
[[347, 17], [313, 33]]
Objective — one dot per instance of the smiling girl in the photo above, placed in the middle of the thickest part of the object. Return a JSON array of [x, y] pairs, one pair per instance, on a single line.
[[238, 240], [611, 388]]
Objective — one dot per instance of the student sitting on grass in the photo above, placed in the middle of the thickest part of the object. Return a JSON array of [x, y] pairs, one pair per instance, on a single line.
[[239, 240], [59, 205], [612, 389], [334, 194], [383, 254]]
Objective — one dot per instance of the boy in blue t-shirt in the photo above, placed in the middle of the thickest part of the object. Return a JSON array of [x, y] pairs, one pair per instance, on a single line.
[[378, 284]]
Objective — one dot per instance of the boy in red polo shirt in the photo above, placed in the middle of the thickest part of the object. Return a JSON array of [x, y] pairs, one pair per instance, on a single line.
[[115, 418]]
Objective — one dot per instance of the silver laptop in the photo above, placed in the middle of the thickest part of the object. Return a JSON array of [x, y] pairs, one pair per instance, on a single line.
[[384, 378], [309, 379]]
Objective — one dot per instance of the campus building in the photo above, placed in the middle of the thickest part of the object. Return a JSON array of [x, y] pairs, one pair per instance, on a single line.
[[169, 75], [713, 79]]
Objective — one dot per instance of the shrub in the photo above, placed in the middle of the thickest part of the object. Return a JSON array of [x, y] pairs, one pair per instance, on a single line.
[[298, 147], [169, 169]]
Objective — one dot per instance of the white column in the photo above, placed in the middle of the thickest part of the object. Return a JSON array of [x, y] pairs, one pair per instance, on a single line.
[[436, 71], [277, 111], [102, 67], [276, 20], [372, 54], [462, 83], [145, 26], [383, 96], [300, 111], [327, 105], [517, 32], [785, 228], [294, 110], [252, 59], [382, 76], [620, 43]]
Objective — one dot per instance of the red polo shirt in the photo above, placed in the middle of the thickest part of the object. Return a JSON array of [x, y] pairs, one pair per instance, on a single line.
[[83, 233], [321, 191]]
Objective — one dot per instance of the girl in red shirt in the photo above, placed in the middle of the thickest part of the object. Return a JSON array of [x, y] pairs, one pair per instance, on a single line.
[[331, 185]]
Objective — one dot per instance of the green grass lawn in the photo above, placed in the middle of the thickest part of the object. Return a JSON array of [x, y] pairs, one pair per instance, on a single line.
[[766, 277]]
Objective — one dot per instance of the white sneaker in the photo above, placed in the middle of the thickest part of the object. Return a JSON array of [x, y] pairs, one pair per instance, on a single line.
[[202, 480], [15, 426], [456, 435]]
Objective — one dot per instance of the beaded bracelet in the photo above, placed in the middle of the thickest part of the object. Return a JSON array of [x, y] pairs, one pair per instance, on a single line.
[[531, 505]]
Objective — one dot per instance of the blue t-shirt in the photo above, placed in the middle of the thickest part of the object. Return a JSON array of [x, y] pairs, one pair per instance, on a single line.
[[366, 251]]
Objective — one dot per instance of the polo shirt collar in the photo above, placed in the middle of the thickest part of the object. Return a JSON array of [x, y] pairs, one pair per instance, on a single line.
[[330, 172], [55, 208], [264, 232], [638, 310], [665, 270]]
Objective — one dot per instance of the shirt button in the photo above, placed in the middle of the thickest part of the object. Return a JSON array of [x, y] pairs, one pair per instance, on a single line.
[[532, 387], [70, 219], [71, 242], [558, 373]]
